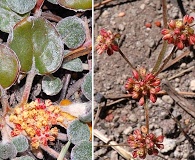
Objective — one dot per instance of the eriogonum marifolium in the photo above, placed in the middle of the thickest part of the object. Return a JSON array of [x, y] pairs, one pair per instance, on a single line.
[[36, 120], [180, 33], [106, 41], [144, 143], [143, 85]]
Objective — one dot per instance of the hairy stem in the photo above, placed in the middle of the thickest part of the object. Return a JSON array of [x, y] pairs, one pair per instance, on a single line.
[[4, 102], [122, 54], [27, 88], [164, 47], [146, 115]]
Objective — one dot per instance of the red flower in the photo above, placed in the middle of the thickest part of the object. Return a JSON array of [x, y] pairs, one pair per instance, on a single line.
[[106, 41], [144, 143], [143, 85], [180, 33]]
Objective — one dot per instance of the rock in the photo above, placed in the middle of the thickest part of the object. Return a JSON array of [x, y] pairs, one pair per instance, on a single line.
[[121, 27], [192, 85], [133, 117], [182, 151], [105, 14], [128, 130], [150, 42], [183, 66], [169, 145], [142, 6], [121, 14], [114, 155], [167, 99], [168, 126], [101, 151]]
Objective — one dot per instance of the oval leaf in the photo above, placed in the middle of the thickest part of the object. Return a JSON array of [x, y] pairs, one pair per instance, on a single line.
[[21, 6], [72, 31], [83, 150], [74, 65], [53, 1], [76, 4], [21, 143], [78, 131], [37, 45], [8, 18], [51, 85], [9, 66], [7, 150], [87, 86], [23, 158]]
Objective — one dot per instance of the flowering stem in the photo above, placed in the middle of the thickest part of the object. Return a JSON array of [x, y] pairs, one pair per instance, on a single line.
[[122, 54], [28, 85], [146, 115], [166, 60], [164, 47]]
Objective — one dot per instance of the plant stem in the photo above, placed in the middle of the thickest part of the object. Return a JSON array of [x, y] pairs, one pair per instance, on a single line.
[[122, 54], [146, 115], [27, 88], [166, 60], [4, 102], [164, 47]]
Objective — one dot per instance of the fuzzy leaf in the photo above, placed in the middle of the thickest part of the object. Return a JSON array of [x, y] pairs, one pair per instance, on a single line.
[[9, 66], [87, 116], [51, 85], [23, 158], [8, 18], [21, 143], [87, 86], [53, 1], [78, 131], [7, 150], [76, 4], [82, 151], [74, 65], [72, 31], [37, 45], [21, 6]]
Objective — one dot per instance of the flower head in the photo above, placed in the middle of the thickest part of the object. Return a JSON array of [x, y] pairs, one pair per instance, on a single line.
[[106, 41], [180, 33], [143, 85], [36, 120], [144, 143]]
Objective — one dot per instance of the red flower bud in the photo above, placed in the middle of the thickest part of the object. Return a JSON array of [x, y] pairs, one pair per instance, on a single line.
[[153, 98], [135, 74], [172, 24], [165, 31], [141, 101], [192, 40], [180, 45]]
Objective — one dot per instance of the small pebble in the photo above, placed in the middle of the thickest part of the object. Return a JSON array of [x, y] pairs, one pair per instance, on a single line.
[[128, 130], [169, 145], [133, 117], [142, 6], [183, 66], [192, 85], [121, 14], [167, 99], [114, 155]]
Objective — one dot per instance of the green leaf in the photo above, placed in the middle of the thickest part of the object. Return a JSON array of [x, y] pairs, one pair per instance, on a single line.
[[72, 31], [82, 151], [78, 131], [9, 66], [87, 86], [63, 151], [53, 1], [37, 45], [87, 116], [7, 150], [21, 143], [8, 18], [21, 6], [74, 65], [51, 85], [76, 4], [23, 158]]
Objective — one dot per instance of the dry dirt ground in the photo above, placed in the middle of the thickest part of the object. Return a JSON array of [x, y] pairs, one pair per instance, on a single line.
[[142, 45]]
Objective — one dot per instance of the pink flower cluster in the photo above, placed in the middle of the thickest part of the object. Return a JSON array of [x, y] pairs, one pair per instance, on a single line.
[[180, 33], [106, 42], [144, 144], [143, 85]]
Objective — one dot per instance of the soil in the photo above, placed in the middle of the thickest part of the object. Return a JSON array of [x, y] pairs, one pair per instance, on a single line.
[[142, 45]]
